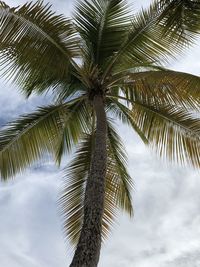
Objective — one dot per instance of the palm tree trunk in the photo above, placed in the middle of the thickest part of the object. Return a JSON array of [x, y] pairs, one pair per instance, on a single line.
[[89, 245]]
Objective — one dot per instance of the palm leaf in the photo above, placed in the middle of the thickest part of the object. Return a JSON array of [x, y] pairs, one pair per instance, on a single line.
[[103, 25], [124, 114], [72, 199], [172, 131], [117, 168], [145, 42], [37, 47], [163, 87], [77, 121], [181, 17], [35, 135]]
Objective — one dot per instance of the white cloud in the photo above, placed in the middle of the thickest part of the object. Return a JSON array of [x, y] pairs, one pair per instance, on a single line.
[[30, 228]]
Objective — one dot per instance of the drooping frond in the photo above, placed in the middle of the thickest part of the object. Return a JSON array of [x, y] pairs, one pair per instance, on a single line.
[[124, 114], [72, 199], [117, 169], [117, 189], [77, 121], [53, 129], [172, 131], [163, 87], [103, 25], [37, 47]]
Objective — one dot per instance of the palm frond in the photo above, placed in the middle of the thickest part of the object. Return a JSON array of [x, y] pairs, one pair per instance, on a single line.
[[27, 139], [146, 43], [103, 25], [117, 168], [77, 120], [72, 199], [124, 114], [117, 188], [172, 131], [163, 87], [37, 47], [180, 17]]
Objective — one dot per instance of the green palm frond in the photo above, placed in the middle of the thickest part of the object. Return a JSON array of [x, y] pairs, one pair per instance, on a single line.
[[172, 131], [117, 168], [27, 139], [37, 47], [146, 41], [163, 87], [72, 199], [103, 25], [180, 16], [124, 114], [77, 120], [117, 189]]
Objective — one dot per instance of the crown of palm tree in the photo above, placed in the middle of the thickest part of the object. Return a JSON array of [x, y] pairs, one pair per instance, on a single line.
[[104, 50]]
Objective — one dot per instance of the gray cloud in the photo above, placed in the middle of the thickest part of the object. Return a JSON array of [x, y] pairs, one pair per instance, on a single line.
[[13, 104], [185, 260]]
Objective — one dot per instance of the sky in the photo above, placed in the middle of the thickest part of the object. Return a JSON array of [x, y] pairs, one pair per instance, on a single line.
[[164, 232]]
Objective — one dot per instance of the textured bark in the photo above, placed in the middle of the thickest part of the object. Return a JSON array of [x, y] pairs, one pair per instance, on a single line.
[[89, 245]]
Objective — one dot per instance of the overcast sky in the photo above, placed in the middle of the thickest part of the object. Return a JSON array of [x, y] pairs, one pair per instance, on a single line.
[[164, 232]]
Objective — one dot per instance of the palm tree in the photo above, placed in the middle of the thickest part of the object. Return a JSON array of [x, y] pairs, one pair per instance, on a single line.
[[102, 65]]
